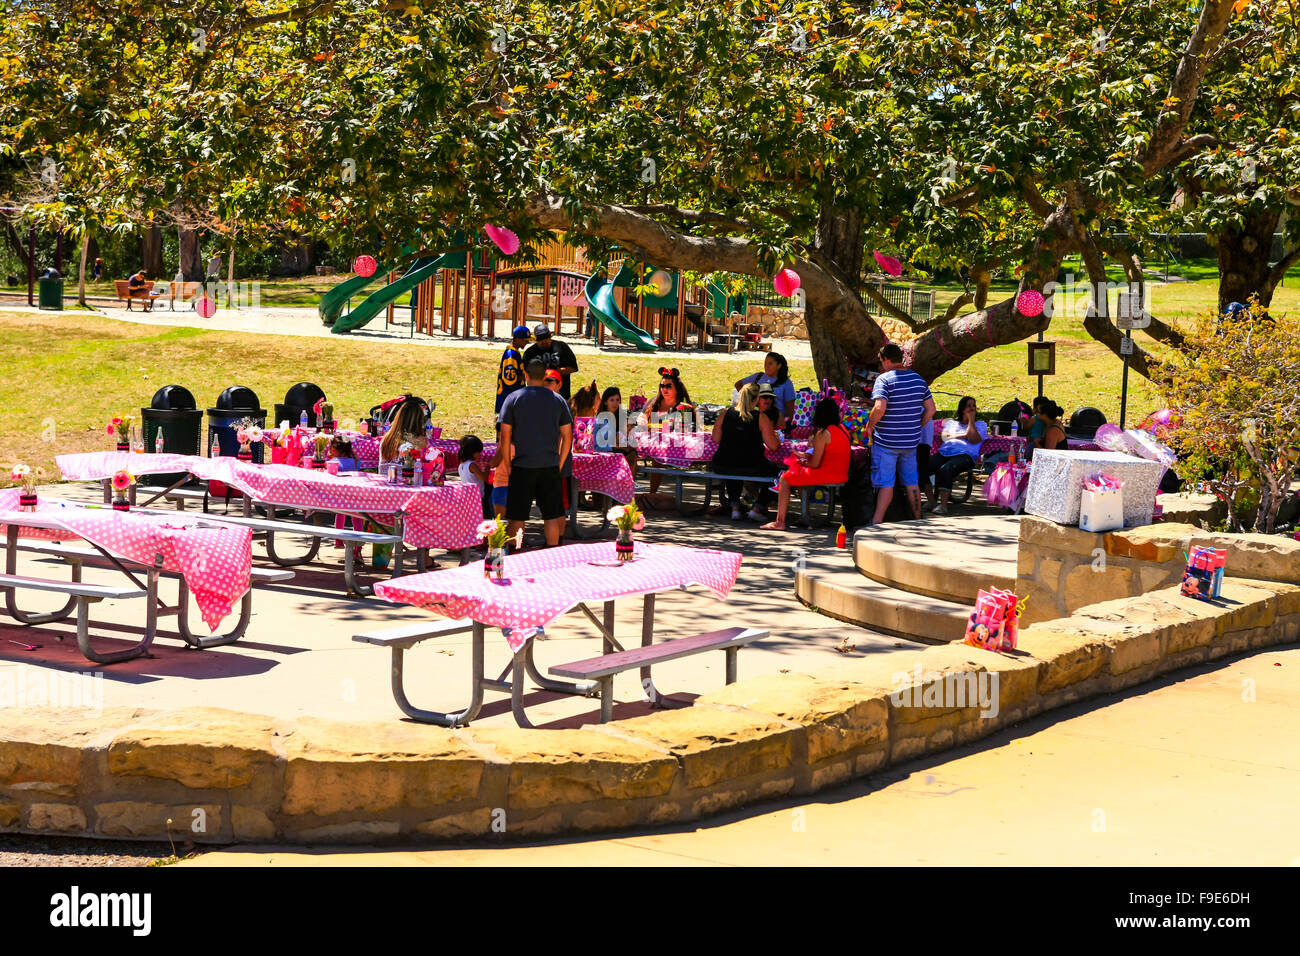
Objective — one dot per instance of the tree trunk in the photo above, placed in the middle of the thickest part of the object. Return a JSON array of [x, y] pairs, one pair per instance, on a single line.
[[16, 245], [1243, 259], [839, 247], [151, 253], [296, 259], [81, 273], [191, 255]]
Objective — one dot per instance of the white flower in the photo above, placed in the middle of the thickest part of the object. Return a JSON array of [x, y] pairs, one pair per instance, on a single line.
[[21, 471], [255, 434], [616, 512]]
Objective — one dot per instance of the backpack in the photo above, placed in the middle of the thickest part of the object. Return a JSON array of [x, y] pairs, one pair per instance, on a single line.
[[858, 496]]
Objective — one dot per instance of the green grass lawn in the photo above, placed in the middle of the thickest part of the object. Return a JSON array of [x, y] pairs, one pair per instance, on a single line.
[[75, 372]]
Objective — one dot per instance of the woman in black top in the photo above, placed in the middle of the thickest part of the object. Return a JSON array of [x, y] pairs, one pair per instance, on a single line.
[[743, 436]]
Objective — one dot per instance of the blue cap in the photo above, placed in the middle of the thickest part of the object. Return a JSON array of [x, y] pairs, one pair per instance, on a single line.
[[521, 332]]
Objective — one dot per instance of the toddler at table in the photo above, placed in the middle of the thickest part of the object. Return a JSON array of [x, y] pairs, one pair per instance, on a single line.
[[471, 472]]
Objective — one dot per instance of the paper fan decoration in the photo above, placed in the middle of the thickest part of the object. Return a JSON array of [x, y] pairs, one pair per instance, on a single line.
[[205, 307], [888, 263], [1030, 303], [364, 266], [662, 282], [504, 239], [786, 282]]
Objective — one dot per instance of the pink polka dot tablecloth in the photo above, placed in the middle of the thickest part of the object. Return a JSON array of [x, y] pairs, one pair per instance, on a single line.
[[685, 449], [442, 517], [215, 562], [541, 585]]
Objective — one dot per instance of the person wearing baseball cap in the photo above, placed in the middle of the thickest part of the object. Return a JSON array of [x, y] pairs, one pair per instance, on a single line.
[[510, 375], [554, 354]]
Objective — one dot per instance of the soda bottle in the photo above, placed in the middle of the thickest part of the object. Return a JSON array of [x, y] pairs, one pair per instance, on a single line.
[[158, 442], [215, 450]]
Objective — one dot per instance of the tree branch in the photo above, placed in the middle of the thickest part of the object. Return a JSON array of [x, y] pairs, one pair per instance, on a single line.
[[1279, 271]]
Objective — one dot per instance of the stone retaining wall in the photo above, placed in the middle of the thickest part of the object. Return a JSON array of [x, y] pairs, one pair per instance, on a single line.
[[248, 778], [781, 323], [1060, 568]]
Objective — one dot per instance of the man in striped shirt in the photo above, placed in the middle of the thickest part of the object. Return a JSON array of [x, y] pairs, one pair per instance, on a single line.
[[903, 408]]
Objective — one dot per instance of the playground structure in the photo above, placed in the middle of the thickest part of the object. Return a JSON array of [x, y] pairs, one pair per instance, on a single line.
[[467, 293]]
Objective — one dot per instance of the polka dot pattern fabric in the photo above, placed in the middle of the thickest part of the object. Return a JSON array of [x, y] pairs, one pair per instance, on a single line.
[[215, 562], [685, 449], [542, 585]]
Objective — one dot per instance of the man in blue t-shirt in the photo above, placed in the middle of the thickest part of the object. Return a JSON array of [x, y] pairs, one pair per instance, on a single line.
[[903, 408], [510, 375]]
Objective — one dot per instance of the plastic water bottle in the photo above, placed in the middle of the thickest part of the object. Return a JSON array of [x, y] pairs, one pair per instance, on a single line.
[[428, 434], [158, 443], [302, 419], [1015, 429]]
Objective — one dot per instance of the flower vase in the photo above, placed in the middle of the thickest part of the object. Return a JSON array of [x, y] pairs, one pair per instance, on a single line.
[[245, 453], [494, 565], [123, 446], [318, 464], [120, 502], [623, 547], [27, 502]]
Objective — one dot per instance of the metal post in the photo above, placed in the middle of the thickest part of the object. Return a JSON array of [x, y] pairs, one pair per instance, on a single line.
[[1127, 349], [31, 265], [1040, 377]]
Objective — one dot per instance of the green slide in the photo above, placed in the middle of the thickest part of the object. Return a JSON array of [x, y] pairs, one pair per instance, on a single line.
[[378, 300], [333, 301], [600, 300]]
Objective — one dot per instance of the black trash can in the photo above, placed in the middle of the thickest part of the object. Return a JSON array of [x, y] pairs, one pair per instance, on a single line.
[[300, 398], [233, 405], [173, 413], [50, 291]]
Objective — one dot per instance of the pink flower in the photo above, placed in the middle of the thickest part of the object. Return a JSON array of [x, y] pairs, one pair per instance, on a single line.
[[486, 528], [639, 523], [122, 480], [242, 435]]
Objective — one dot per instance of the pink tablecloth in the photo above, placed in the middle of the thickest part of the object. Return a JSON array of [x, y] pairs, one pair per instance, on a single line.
[[433, 517], [542, 585], [1007, 485], [685, 449], [995, 444], [215, 562]]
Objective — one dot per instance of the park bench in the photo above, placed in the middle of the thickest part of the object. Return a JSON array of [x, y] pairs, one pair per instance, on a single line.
[[128, 295], [680, 475], [80, 596], [80, 557], [185, 291], [606, 666]]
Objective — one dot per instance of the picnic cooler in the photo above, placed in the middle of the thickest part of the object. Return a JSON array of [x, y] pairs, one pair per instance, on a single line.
[[172, 410], [300, 398], [233, 405]]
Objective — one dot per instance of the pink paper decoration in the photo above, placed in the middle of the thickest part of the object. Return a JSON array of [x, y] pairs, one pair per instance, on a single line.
[[364, 265], [505, 240], [1030, 303], [786, 282], [888, 263], [205, 307]]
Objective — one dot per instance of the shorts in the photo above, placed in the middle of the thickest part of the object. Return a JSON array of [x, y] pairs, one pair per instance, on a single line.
[[889, 463], [534, 484], [499, 496]]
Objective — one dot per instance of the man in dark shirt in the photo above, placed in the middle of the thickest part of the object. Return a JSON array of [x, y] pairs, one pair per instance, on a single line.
[[537, 424], [553, 354], [510, 374]]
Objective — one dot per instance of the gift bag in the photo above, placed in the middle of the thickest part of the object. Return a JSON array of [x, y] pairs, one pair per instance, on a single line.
[[1101, 504], [804, 401], [1204, 575], [994, 624], [855, 420]]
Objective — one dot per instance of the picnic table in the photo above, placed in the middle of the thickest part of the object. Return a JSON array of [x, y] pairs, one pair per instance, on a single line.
[[687, 449], [539, 587], [212, 561]]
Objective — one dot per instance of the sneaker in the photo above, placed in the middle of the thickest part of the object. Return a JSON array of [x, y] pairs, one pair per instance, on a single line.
[[736, 514], [757, 516], [929, 505], [939, 511]]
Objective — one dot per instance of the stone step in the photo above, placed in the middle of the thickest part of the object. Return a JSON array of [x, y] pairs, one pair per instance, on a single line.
[[948, 558], [833, 587]]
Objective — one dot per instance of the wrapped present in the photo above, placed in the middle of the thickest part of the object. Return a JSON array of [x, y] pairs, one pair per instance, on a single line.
[[804, 402], [855, 420], [994, 624]]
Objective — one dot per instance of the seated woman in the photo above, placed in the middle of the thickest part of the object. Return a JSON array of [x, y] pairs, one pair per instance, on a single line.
[[827, 465], [408, 427], [959, 452], [672, 400], [1049, 413], [743, 434]]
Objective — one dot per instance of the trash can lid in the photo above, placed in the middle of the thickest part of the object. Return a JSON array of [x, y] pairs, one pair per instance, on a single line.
[[238, 397], [174, 397], [303, 395], [51, 273]]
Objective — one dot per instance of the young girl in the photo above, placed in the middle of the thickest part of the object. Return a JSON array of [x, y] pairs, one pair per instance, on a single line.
[[500, 464], [471, 472], [408, 426]]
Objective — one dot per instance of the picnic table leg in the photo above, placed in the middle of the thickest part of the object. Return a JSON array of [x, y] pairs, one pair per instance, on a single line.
[[150, 629], [269, 541], [477, 684], [580, 688], [11, 594], [574, 499], [353, 587], [215, 640], [521, 667], [396, 569]]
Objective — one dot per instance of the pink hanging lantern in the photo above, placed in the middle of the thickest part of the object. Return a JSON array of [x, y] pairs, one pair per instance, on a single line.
[[786, 282], [364, 266], [888, 263], [505, 240], [205, 307], [1030, 303]]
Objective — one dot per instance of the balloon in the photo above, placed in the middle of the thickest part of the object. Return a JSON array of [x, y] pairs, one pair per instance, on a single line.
[[364, 266], [505, 240], [205, 307], [888, 263], [662, 282], [1030, 303], [786, 282]]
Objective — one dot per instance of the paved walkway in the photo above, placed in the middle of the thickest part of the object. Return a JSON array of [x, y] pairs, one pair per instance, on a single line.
[[1202, 768]]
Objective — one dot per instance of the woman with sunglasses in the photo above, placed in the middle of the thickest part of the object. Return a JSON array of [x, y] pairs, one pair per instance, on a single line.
[[671, 399]]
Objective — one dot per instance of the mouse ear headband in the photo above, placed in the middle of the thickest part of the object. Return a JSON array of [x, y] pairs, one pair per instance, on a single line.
[[664, 370]]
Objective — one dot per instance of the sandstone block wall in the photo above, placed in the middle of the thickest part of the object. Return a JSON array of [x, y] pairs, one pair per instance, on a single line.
[[1060, 569]]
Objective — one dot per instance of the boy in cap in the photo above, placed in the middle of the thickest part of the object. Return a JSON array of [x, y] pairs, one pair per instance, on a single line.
[[554, 355], [510, 376]]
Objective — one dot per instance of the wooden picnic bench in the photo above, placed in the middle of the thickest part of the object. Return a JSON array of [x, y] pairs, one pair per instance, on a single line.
[[128, 295], [710, 478]]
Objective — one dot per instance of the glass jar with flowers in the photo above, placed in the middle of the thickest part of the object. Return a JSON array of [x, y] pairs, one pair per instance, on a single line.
[[122, 481], [27, 477], [496, 535], [320, 445], [406, 462], [627, 518], [248, 436], [120, 429]]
